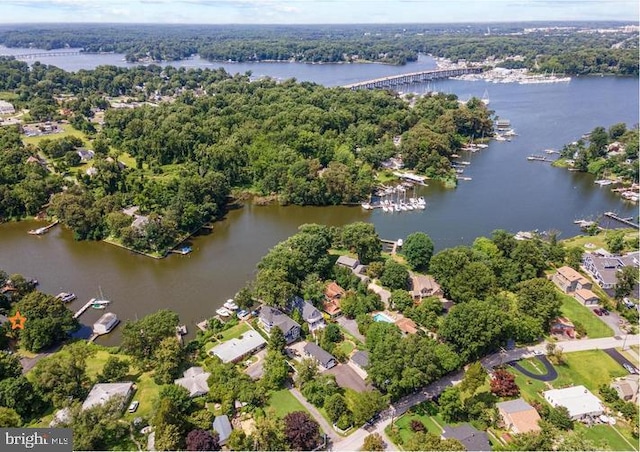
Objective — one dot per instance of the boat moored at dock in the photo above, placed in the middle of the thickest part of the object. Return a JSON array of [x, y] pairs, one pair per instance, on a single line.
[[66, 297], [105, 324]]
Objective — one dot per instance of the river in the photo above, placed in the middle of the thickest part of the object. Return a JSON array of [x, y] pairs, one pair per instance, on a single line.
[[506, 191]]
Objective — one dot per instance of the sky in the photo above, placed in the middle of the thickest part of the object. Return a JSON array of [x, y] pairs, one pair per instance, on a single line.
[[313, 11]]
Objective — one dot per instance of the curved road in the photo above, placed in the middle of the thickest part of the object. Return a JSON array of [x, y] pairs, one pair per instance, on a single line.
[[550, 375]]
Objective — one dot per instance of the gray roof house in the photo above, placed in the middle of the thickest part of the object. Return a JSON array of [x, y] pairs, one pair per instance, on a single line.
[[360, 359], [349, 262], [222, 425], [85, 154], [471, 438], [235, 349], [309, 313], [194, 381], [324, 358], [271, 317], [604, 269], [102, 392]]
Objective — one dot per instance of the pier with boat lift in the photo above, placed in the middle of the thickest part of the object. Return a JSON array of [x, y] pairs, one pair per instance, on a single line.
[[625, 221]]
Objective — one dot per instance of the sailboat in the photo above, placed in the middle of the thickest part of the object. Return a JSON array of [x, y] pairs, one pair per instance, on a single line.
[[99, 303], [485, 97]]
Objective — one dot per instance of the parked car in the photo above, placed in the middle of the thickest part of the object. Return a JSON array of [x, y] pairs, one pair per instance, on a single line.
[[597, 311], [604, 311], [134, 406], [629, 367], [628, 303]]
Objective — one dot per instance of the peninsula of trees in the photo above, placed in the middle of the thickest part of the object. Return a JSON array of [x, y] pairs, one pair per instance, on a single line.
[[210, 134]]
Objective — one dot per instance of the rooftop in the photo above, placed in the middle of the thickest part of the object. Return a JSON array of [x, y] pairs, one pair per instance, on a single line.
[[323, 357], [194, 381], [361, 358], [275, 317], [471, 438], [102, 392], [222, 425], [577, 399], [234, 349]]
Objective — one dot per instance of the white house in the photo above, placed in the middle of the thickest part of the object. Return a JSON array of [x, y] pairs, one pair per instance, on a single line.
[[194, 381], [101, 393], [580, 402]]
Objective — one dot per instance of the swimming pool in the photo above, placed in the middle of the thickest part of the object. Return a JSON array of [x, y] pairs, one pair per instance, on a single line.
[[380, 317]]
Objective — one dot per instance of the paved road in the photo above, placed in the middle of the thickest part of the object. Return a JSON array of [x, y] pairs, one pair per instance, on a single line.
[[550, 375], [620, 358], [324, 425]]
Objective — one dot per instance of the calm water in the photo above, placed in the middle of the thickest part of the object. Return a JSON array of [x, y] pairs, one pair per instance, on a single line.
[[507, 191]]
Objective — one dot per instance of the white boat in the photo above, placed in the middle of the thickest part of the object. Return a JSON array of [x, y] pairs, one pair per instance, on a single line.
[[500, 138], [603, 182], [224, 312], [66, 297], [400, 243], [230, 305]]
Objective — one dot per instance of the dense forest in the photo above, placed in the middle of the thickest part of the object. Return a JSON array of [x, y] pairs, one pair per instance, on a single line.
[[572, 48], [299, 143]]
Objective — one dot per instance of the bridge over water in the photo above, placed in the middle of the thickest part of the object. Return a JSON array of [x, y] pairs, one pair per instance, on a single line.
[[29, 56], [413, 77]]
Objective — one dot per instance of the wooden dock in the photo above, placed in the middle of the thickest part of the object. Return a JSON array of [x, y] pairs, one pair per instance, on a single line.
[[83, 309], [625, 221]]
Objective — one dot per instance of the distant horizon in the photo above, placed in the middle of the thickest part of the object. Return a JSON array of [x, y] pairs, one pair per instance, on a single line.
[[313, 12]]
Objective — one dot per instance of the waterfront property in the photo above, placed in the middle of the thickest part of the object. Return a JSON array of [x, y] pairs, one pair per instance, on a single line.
[[194, 381], [271, 317], [604, 269], [518, 416], [101, 393], [570, 280], [470, 437], [578, 400], [324, 359], [407, 326], [423, 286], [309, 313], [348, 262], [236, 349]]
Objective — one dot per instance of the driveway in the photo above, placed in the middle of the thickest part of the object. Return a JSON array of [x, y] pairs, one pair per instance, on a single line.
[[346, 377], [384, 294], [256, 369], [613, 320], [324, 425], [619, 357], [550, 375], [351, 326]]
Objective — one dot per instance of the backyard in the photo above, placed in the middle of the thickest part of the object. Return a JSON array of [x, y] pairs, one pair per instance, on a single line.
[[283, 403]]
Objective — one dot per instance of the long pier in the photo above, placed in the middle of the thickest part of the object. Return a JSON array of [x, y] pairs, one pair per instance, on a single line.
[[625, 221], [83, 309], [412, 77]]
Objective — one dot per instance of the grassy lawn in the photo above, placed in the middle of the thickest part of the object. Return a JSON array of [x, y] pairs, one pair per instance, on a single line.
[[591, 368], [147, 393], [597, 240], [614, 437], [67, 131], [235, 331], [577, 312], [346, 347], [283, 402]]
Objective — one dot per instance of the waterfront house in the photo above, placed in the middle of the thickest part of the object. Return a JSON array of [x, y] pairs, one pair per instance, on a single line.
[[101, 393], [194, 381], [348, 262], [309, 313], [423, 286], [325, 359], [586, 297], [6, 108], [223, 427], [580, 402], [470, 437], [627, 387], [518, 416], [271, 317], [604, 269], [569, 280], [236, 349], [563, 326]]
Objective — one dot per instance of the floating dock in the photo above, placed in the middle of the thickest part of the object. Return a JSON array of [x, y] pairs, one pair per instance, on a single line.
[[84, 308], [625, 221]]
